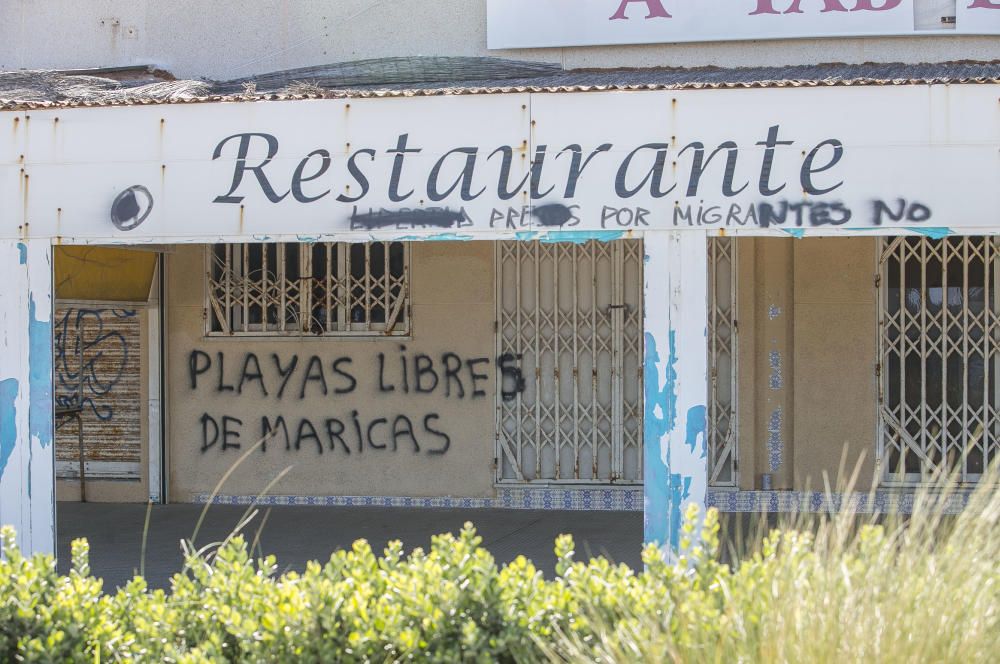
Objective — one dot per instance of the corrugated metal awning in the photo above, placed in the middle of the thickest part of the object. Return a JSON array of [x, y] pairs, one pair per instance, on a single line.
[[407, 77]]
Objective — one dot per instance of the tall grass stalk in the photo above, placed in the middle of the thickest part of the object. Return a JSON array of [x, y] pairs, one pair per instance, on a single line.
[[145, 538], [222, 480], [920, 587]]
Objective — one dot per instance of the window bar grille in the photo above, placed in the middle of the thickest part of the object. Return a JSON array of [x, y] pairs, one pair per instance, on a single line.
[[922, 296], [368, 287], [241, 289], [722, 430], [536, 267], [283, 291], [289, 288], [330, 287], [557, 251], [991, 356], [344, 287], [305, 287], [349, 277], [265, 295], [575, 250], [519, 251], [617, 320], [228, 277], [591, 339], [387, 284]]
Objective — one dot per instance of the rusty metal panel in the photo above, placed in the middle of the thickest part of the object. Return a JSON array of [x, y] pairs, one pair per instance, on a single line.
[[98, 368]]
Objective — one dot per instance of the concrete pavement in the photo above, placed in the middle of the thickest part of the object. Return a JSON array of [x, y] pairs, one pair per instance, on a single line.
[[299, 534]]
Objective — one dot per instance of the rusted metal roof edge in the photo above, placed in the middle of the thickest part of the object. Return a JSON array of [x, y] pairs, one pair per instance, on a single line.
[[389, 92]]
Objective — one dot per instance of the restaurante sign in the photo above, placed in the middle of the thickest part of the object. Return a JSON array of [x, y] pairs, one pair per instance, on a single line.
[[762, 161]]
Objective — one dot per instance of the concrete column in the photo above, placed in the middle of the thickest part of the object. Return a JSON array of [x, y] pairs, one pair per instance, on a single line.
[[773, 358], [675, 378], [27, 454]]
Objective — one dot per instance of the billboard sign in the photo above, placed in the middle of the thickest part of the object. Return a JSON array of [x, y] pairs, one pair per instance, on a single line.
[[544, 23]]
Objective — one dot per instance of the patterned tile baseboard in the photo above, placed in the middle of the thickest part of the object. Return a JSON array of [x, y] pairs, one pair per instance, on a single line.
[[619, 499], [802, 502], [612, 500]]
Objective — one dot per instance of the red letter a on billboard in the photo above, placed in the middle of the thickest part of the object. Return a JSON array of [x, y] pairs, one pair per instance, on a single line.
[[655, 7]]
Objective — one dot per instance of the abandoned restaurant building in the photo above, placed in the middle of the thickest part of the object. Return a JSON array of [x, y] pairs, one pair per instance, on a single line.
[[564, 260]]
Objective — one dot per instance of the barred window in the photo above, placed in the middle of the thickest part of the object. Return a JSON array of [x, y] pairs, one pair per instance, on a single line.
[[332, 289], [939, 339]]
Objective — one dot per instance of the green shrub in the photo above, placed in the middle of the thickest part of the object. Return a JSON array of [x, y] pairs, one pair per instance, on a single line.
[[924, 590]]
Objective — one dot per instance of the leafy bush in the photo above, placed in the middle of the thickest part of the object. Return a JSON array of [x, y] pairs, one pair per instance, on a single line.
[[924, 590]]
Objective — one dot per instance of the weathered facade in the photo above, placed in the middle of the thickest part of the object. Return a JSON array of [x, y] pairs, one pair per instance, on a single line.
[[437, 283]]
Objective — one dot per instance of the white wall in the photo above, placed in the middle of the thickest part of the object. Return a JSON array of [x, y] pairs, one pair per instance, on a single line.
[[218, 39]]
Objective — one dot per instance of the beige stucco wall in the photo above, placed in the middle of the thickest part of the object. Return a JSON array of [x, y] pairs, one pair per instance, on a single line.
[[807, 324], [452, 298], [809, 302], [835, 357]]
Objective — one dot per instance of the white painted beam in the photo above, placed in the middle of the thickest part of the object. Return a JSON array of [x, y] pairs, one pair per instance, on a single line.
[[675, 380], [27, 451]]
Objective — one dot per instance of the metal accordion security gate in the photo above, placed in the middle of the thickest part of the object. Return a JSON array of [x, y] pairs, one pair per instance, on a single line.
[[723, 450], [569, 349], [939, 343]]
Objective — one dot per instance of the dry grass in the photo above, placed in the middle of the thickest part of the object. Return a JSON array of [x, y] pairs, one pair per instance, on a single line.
[[838, 588]]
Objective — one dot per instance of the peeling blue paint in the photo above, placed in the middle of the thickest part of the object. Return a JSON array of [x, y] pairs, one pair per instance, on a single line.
[[452, 237], [933, 232], [39, 377], [680, 491], [696, 424], [8, 423], [582, 237], [573, 237], [308, 239], [655, 427], [795, 232], [773, 312], [659, 417], [22, 253]]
